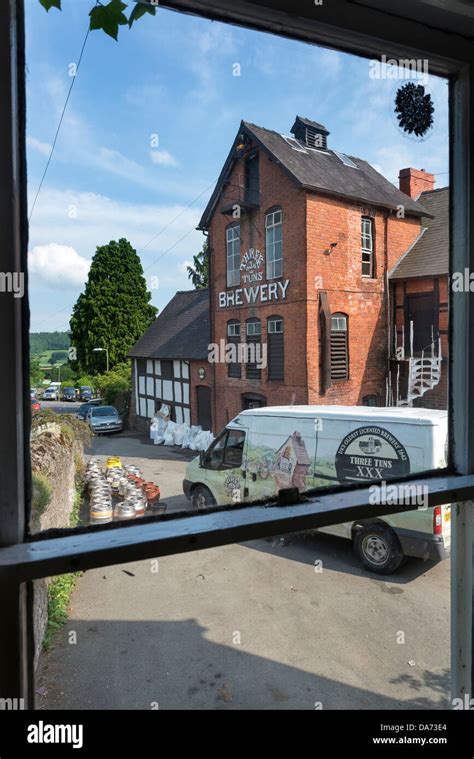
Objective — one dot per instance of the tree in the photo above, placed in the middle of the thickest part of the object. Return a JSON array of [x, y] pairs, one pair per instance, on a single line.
[[36, 374], [118, 380], [114, 309], [199, 273], [109, 16], [57, 357]]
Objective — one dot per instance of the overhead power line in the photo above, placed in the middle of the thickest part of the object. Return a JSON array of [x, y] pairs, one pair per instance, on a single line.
[[73, 79]]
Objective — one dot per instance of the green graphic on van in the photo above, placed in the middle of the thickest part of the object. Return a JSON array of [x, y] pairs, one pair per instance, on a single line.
[[371, 453]]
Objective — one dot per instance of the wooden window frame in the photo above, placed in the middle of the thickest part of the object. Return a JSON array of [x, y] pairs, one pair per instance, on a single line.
[[366, 251], [352, 27], [271, 212], [230, 228], [234, 370]]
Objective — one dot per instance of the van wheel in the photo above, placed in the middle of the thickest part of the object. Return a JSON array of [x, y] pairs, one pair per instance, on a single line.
[[201, 498], [378, 549]]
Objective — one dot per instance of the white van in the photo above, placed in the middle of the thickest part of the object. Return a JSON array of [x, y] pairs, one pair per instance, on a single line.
[[264, 450]]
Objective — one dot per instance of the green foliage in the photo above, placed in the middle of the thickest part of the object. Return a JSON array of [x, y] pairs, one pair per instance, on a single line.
[[40, 342], [118, 380], [199, 273], [42, 491], [36, 375], [47, 4], [110, 16], [139, 11], [114, 309], [57, 357], [59, 594], [85, 381]]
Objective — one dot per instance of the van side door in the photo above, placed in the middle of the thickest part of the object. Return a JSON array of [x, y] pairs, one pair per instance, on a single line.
[[224, 465]]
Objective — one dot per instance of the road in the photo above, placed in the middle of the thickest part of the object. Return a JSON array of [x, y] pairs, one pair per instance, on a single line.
[[250, 626]]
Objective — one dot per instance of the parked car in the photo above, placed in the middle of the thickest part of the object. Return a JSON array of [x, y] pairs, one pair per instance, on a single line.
[[265, 450], [69, 394], [33, 393], [51, 394], [35, 406], [82, 411], [104, 419], [85, 393]]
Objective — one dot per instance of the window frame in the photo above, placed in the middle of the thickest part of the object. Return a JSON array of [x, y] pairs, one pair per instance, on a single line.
[[271, 212], [234, 369], [359, 30], [231, 228], [370, 252], [256, 339]]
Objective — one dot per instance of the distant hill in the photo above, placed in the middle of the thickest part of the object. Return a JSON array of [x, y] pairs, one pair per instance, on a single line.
[[41, 342]]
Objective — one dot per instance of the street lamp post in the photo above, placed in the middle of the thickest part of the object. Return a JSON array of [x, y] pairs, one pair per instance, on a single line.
[[99, 350]]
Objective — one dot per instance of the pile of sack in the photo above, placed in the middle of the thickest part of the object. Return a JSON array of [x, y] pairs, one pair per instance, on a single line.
[[166, 432]]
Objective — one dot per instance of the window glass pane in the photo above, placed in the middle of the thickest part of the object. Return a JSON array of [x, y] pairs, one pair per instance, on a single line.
[[331, 352]]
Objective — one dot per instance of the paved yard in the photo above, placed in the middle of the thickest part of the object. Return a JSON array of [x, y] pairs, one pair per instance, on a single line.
[[249, 626]]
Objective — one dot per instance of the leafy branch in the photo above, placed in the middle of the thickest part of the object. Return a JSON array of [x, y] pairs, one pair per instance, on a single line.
[[109, 17]]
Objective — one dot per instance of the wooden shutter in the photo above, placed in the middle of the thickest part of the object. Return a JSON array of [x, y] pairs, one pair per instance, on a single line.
[[276, 358], [339, 355], [324, 327]]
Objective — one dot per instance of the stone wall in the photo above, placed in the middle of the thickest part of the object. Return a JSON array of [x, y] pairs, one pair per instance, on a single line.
[[54, 454]]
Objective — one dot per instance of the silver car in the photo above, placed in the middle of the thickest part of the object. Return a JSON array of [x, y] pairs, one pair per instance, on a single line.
[[104, 419], [51, 394]]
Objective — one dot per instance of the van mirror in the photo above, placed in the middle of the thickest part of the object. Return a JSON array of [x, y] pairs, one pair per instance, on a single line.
[[201, 458]]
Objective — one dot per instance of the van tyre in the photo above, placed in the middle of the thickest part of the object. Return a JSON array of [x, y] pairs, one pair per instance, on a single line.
[[202, 498], [378, 549]]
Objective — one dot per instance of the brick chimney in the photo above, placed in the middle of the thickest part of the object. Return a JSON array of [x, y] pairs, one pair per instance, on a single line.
[[414, 181]]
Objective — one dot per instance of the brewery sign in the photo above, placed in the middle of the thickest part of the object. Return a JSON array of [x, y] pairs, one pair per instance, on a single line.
[[252, 273], [251, 266]]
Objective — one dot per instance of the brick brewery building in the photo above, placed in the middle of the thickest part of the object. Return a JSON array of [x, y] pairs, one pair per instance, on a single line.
[[302, 240]]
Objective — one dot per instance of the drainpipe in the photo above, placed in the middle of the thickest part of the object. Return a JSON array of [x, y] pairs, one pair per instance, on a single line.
[[211, 329], [387, 290]]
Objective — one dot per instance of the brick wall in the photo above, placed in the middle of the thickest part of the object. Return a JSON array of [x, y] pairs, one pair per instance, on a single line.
[[311, 222], [276, 188]]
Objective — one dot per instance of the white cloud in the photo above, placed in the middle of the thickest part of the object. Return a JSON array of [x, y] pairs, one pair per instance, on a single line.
[[57, 266], [42, 147], [163, 158]]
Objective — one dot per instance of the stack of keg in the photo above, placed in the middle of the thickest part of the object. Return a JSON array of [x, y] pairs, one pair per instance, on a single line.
[[120, 492], [100, 495]]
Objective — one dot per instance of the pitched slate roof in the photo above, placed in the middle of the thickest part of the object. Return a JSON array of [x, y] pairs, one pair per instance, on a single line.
[[320, 171], [429, 256], [182, 330]]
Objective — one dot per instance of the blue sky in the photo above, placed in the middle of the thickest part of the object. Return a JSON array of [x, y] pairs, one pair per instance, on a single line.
[[173, 76]]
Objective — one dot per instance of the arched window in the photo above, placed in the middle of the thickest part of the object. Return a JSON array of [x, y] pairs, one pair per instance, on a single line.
[[276, 356], [253, 338], [232, 237], [339, 347], [233, 337], [273, 243]]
